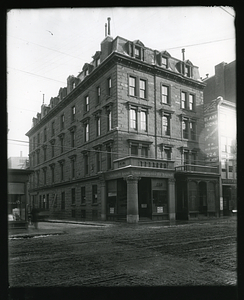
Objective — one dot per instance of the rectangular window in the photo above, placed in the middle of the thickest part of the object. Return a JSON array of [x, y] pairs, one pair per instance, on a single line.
[[53, 128], [62, 171], [144, 151], [45, 135], [52, 147], [192, 126], [132, 86], [47, 201], [98, 125], [109, 157], [164, 62], [73, 168], [62, 200], [109, 120], [229, 143], [142, 88], [52, 171], [183, 100], [223, 144], [185, 128], [73, 113], [194, 158], [188, 71], [83, 214], [44, 176], [86, 103], [38, 139], [44, 153], [73, 213], [72, 137], [98, 160], [94, 194], [62, 122], [61, 144], [223, 165], [167, 153], [38, 156], [97, 63], [109, 86], [133, 118], [98, 94], [166, 124], [37, 177], [73, 196], [86, 164], [143, 115], [186, 157], [86, 132], [34, 142], [83, 194], [134, 150], [165, 94], [191, 102]]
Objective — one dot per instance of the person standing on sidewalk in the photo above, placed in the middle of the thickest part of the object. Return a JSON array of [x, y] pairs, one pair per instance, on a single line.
[[34, 217]]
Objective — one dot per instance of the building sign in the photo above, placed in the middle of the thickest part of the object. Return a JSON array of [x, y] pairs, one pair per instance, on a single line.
[[160, 209], [143, 205], [159, 184], [211, 147], [229, 181]]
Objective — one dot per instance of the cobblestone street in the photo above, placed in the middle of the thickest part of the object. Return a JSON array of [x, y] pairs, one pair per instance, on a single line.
[[120, 254]]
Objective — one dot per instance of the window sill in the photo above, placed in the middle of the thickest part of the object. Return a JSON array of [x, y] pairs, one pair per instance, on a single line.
[[94, 204], [83, 204]]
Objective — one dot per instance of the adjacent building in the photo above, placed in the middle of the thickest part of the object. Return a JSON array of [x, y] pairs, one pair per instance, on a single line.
[[123, 140], [18, 198], [18, 162], [220, 126]]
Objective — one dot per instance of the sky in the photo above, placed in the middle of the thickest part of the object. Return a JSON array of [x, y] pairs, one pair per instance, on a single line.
[[45, 46]]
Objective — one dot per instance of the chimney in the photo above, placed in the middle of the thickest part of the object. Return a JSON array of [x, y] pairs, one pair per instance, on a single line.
[[109, 26], [183, 54], [20, 153], [105, 29]]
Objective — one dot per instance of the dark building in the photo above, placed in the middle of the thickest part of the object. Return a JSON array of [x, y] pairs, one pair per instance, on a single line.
[[121, 141], [220, 125]]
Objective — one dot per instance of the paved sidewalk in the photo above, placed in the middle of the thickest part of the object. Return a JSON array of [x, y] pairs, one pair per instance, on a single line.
[[56, 227]]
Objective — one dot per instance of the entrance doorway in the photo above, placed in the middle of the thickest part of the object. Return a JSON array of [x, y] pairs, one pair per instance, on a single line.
[[203, 197], [144, 198]]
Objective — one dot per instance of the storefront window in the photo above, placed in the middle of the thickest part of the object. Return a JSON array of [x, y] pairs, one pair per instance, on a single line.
[[160, 196]]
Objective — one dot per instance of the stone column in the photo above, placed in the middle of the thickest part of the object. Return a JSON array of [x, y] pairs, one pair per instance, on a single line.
[[132, 199], [103, 198], [171, 201]]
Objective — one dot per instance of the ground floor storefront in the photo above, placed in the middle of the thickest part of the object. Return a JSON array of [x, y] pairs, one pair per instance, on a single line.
[[131, 194], [229, 194]]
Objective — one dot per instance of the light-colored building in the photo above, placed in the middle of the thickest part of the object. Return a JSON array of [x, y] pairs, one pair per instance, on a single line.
[[18, 162], [220, 126]]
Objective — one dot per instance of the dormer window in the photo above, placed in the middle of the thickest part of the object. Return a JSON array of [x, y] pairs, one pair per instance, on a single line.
[[85, 72], [188, 69], [136, 49], [164, 62], [97, 62]]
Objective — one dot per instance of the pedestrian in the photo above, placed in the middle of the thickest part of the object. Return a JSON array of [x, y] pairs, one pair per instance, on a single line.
[[34, 217]]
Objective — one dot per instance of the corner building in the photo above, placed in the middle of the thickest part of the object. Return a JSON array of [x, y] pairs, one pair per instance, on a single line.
[[121, 141]]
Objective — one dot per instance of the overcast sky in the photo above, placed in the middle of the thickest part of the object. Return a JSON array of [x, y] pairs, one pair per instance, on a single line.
[[45, 46]]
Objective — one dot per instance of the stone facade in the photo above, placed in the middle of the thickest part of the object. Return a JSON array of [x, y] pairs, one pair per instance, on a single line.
[[109, 145]]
